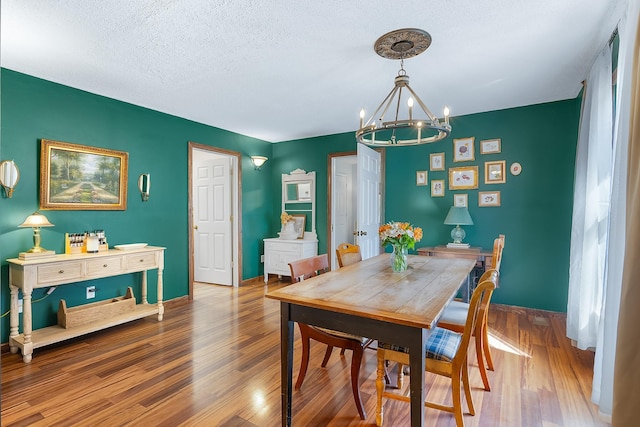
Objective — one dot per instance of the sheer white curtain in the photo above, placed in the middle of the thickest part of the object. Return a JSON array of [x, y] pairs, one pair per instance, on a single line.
[[607, 338], [589, 229]]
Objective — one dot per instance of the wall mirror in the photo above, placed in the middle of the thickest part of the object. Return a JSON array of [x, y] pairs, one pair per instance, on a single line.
[[299, 197], [9, 176]]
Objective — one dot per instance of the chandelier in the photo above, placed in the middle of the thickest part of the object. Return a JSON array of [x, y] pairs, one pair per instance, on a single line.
[[420, 126]]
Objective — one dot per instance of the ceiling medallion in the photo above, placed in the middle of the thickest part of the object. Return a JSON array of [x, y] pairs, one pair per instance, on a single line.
[[423, 127]]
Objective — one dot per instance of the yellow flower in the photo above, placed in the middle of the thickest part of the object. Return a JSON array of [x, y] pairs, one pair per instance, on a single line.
[[285, 218]]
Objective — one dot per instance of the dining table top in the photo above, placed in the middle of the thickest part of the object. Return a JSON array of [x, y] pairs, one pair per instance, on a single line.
[[415, 297]]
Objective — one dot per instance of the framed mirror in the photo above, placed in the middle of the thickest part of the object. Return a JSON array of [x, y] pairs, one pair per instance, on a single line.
[[299, 197], [9, 176]]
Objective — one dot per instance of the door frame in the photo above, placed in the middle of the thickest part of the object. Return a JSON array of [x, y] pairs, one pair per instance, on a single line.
[[330, 157], [236, 210]]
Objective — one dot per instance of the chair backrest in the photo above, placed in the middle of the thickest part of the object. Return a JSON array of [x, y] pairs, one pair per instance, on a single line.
[[308, 267], [496, 257], [480, 298], [348, 254]]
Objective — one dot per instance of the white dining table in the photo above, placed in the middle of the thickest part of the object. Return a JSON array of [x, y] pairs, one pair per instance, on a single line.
[[369, 299]]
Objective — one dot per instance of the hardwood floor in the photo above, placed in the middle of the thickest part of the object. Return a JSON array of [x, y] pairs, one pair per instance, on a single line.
[[216, 362]]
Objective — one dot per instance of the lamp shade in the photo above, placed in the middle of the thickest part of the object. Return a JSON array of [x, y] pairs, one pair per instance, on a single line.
[[258, 161], [458, 216], [36, 219]]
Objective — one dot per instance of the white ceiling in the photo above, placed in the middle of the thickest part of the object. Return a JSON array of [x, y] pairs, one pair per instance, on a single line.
[[280, 70]]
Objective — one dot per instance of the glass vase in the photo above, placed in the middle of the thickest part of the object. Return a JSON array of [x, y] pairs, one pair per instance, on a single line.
[[399, 258]]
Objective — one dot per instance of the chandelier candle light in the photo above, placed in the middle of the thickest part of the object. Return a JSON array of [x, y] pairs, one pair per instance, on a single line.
[[402, 236], [423, 127]]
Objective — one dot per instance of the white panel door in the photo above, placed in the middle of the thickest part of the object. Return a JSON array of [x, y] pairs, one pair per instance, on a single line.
[[213, 261], [369, 178]]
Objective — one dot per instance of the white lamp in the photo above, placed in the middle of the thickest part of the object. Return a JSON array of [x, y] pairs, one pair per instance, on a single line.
[[35, 221], [258, 161], [458, 216]]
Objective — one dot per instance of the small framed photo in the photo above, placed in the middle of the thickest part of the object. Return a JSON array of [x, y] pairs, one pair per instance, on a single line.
[[436, 161], [464, 178], [460, 200], [516, 168], [300, 221], [437, 188], [494, 172], [490, 146], [463, 150], [421, 178], [488, 198]]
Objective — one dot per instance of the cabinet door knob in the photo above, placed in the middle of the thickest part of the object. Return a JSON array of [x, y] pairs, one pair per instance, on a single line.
[[61, 271], [105, 265]]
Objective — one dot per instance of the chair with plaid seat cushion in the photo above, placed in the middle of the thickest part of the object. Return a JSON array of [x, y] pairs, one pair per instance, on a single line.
[[445, 354], [305, 269]]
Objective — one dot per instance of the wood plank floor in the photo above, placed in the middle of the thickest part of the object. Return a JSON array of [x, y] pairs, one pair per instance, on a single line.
[[216, 362]]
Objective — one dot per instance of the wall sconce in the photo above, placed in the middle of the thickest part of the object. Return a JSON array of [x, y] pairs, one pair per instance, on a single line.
[[258, 161], [144, 185], [35, 221], [9, 176]]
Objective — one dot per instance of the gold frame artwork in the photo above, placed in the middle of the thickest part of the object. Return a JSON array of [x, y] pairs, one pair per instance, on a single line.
[[80, 177], [490, 146], [421, 178], [300, 221], [463, 150], [461, 200], [488, 198], [437, 188], [436, 161], [494, 172], [463, 178]]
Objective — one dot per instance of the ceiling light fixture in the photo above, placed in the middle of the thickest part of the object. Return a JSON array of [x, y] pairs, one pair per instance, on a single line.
[[421, 126]]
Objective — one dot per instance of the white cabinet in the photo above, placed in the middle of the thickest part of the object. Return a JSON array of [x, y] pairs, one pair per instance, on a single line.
[[278, 253]]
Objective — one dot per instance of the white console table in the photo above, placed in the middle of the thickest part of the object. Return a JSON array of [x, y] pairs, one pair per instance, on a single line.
[[278, 253], [31, 274]]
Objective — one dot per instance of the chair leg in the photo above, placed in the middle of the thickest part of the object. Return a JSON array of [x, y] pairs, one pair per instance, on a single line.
[[342, 351], [485, 344], [356, 361], [457, 401], [467, 388], [327, 355], [479, 337], [304, 363], [381, 373]]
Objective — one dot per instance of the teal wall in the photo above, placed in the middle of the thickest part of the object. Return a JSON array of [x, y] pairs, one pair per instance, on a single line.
[[536, 206], [157, 143], [535, 214]]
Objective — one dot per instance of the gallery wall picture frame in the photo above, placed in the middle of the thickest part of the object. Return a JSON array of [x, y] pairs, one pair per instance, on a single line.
[[490, 146], [460, 200], [494, 172], [437, 188], [463, 150], [300, 221], [516, 168], [80, 177], [463, 178], [421, 178], [488, 198], [436, 161]]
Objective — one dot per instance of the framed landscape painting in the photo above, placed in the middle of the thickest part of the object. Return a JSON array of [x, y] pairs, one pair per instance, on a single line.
[[79, 177]]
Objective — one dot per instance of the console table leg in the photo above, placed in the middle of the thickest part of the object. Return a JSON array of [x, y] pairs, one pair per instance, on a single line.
[[160, 305], [13, 316], [27, 320]]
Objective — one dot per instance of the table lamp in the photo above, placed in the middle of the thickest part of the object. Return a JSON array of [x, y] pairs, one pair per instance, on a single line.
[[35, 221], [458, 216]]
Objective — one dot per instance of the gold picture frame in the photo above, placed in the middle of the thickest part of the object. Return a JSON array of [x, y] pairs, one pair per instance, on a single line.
[[437, 188], [463, 150], [488, 198], [461, 200], [494, 172], [300, 222], [463, 178], [490, 146], [436, 161], [421, 178], [80, 177]]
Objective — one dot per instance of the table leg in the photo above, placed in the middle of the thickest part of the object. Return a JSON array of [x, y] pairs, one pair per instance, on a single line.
[[13, 316], [286, 362], [416, 375], [160, 291], [466, 288], [27, 319]]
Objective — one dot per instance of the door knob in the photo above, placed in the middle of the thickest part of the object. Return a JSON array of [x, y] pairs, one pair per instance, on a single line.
[[195, 227]]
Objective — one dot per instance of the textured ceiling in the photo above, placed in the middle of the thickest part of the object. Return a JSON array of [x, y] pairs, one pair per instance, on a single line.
[[280, 70]]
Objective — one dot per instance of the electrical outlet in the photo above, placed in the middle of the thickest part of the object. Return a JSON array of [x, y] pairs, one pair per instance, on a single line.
[[91, 292], [261, 258], [20, 305]]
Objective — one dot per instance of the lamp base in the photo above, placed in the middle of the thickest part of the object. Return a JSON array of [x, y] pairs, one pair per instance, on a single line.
[[458, 245], [32, 255]]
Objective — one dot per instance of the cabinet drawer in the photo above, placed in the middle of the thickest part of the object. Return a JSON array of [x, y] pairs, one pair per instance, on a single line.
[[103, 267], [143, 261], [282, 247], [68, 271]]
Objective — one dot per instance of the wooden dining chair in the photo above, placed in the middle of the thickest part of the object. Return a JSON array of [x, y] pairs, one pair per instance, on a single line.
[[348, 254], [454, 316], [445, 354], [304, 269], [454, 319]]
